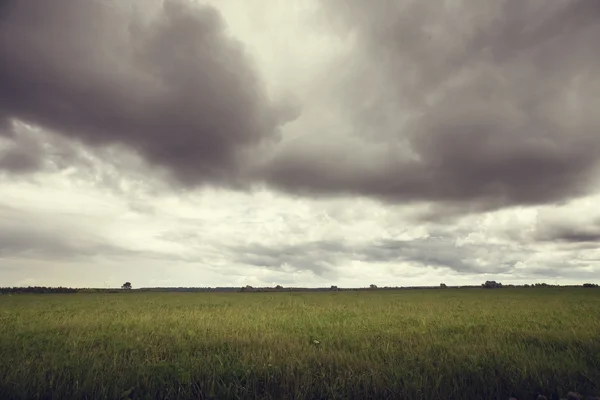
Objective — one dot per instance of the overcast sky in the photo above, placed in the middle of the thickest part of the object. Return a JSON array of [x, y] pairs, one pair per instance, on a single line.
[[299, 142]]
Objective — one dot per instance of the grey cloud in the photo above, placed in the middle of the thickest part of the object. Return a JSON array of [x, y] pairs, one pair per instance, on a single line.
[[568, 231], [496, 103], [565, 272], [319, 257], [18, 153], [22, 242], [25, 150], [332, 258], [18, 160], [322, 256], [172, 86], [577, 235], [567, 267], [444, 252], [428, 251], [20, 238], [28, 243]]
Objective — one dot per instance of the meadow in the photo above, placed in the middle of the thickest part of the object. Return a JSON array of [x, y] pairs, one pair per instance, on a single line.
[[413, 344]]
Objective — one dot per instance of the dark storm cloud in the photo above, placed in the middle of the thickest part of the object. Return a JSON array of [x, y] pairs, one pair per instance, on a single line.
[[497, 102], [172, 86], [474, 105]]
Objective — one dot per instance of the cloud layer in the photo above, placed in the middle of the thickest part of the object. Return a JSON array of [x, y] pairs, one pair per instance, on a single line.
[[475, 107]]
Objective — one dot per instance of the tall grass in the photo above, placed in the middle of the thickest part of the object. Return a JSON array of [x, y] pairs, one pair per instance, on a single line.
[[421, 344]]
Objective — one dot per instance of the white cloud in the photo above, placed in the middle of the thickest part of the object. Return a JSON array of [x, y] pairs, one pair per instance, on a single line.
[[200, 238]]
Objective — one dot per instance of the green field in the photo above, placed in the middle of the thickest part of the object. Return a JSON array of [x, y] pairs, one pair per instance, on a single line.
[[415, 344]]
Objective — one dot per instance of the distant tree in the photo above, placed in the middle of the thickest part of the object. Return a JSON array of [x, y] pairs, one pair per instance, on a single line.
[[443, 286], [279, 287], [126, 285], [372, 286], [590, 285], [491, 285], [333, 287]]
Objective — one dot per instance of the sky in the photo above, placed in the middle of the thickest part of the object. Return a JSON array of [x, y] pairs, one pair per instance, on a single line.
[[299, 142]]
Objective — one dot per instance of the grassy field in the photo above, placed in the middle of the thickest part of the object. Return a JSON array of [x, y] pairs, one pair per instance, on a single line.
[[414, 344]]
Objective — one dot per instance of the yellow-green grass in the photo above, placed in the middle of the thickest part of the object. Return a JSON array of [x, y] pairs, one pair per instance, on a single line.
[[415, 344]]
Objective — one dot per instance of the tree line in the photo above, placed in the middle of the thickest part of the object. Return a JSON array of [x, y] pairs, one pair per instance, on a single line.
[[127, 288]]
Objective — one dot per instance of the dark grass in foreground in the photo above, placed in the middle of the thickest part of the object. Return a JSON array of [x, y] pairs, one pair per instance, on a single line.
[[430, 344]]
